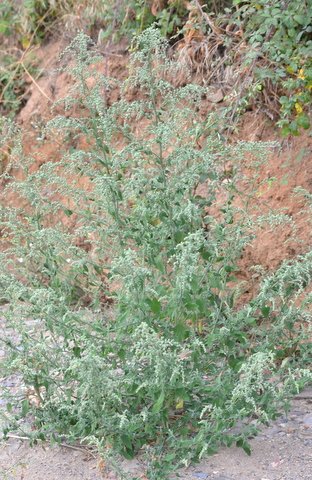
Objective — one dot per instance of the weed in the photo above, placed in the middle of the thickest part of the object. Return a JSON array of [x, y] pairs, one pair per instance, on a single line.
[[281, 31], [170, 368]]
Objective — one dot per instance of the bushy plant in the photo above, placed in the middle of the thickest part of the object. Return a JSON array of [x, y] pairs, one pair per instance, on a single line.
[[281, 33], [170, 367], [13, 85]]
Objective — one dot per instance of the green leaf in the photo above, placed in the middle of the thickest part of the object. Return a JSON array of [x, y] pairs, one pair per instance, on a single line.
[[159, 264], [68, 212], [178, 236], [210, 339], [126, 441], [97, 269], [194, 282], [286, 131], [289, 289], [203, 177], [215, 283], [300, 19], [77, 352], [154, 304], [201, 304], [303, 122], [182, 393], [9, 407], [170, 456], [284, 180], [212, 176], [121, 354], [235, 363], [3, 26], [25, 407], [244, 445], [159, 403], [191, 306], [195, 356], [181, 332], [230, 268], [265, 311], [250, 320], [206, 255], [293, 127], [128, 453]]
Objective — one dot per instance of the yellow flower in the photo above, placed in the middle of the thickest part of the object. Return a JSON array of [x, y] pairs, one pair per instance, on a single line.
[[298, 108], [301, 76]]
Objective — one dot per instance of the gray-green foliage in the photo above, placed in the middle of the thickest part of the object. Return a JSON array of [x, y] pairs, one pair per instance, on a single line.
[[176, 336]]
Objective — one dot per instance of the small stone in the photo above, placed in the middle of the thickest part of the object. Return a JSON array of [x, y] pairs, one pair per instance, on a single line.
[[255, 422], [298, 420], [307, 419], [295, 413], [290, 430], [218, 96], [306, 393], [272, 431]]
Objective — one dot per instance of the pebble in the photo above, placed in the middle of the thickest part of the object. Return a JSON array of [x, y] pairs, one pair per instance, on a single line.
[[307, 419], [295, 413], [298, 420], [272, 431]]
